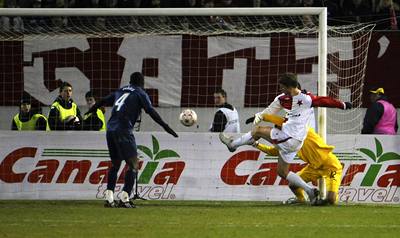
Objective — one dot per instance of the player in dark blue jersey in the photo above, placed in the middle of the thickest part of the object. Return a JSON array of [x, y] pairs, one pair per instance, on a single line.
[[127, 104]]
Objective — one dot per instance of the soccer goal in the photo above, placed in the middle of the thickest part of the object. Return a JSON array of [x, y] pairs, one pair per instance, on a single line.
[[185, 55]]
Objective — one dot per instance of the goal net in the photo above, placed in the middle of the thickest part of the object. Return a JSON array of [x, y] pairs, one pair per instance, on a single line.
[[184, 58]]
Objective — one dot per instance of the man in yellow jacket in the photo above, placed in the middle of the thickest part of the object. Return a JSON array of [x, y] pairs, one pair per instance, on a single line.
[[27, 119], [64, 113], [320, 159], [94, 121]]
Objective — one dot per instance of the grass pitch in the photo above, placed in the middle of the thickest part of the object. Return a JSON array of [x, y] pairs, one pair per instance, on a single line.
[[195, 219]]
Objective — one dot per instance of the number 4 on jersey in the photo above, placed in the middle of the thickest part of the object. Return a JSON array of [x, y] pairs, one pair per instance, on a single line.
[[121, 101]]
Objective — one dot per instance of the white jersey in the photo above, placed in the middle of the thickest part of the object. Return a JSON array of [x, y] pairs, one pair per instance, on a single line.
[[232, 118], [298, 111]]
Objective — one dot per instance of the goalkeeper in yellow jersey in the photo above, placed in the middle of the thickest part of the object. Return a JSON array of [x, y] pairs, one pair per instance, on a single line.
[[321, 163]]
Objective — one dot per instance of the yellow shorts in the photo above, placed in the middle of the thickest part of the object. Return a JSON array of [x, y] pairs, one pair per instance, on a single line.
[[332, 181]]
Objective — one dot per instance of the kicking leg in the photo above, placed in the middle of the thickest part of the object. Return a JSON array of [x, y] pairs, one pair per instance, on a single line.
[[262, 132], [247, 139]]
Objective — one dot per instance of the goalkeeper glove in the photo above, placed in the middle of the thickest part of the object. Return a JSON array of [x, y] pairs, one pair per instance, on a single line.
[[257, 118], [348, 105], [250, 120]]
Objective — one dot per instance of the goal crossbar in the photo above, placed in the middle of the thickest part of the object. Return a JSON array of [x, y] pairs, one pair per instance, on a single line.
[[290, 11]]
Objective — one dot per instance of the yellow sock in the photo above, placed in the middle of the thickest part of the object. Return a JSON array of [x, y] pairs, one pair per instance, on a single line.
[[299, 192], [269, 150]]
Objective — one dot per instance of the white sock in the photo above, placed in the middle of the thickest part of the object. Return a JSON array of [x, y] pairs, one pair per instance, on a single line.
[[109, 196], [246, 139], [295, 180], [124, 196]]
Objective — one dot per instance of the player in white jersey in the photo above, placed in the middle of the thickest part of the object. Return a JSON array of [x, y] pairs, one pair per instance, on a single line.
[[298, 107]]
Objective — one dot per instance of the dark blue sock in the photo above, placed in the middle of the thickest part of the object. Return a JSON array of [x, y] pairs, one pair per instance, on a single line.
[[112, 178], [129, 181]]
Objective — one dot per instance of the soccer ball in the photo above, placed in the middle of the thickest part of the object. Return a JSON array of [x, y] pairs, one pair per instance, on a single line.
[[188, 117]]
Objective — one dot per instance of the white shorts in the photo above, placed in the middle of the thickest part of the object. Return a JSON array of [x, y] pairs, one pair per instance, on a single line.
[[287, 146]]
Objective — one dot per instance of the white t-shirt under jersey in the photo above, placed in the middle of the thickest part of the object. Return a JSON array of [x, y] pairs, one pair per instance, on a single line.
[[298, 111]]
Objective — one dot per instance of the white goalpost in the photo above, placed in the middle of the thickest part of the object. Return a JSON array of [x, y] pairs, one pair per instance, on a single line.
[[322, 61]]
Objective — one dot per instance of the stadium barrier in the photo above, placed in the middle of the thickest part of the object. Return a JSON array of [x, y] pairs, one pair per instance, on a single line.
[[195, 166]]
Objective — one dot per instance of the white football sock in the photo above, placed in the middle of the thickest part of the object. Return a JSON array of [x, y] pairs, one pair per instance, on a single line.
[[295, 180], [246, 139], [109, 196], [124, 196]]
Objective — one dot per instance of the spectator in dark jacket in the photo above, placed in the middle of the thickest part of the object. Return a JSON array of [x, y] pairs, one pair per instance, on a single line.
[[381, 116], [226, 118]]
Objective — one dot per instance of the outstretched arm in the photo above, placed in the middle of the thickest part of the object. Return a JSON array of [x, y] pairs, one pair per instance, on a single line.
[[148, 108], [322, 101], [157, 118]]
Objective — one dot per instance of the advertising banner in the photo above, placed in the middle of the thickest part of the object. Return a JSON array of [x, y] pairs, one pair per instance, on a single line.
[[195, 166]]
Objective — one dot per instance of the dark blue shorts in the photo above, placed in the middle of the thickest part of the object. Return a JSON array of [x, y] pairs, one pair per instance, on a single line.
[[121, 145]]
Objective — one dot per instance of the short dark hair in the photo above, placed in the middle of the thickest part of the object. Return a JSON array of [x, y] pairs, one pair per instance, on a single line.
[[63, 85], [137, 79], [89, 94], [289, 80], [221, 91], [26, 100]]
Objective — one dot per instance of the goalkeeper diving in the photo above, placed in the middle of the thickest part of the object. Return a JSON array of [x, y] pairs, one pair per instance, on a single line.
[[320, 159]]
